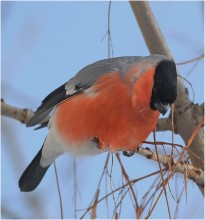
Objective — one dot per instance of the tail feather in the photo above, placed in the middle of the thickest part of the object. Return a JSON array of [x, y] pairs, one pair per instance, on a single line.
[[33, 174]]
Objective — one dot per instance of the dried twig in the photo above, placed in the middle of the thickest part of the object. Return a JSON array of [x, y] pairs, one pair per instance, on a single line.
[[94, 209], [59, 192], [192, 60], [124, 173], [98, 187], [162, 177], [119, 188], [196, 174]]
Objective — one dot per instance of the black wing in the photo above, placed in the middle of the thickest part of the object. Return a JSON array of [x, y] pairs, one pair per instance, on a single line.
[[54, 98]]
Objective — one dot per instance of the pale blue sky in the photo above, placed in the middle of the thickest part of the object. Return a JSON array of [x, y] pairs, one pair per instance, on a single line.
[[46, 43]]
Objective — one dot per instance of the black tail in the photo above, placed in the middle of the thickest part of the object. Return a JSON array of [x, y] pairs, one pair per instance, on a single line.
[[33, 174]]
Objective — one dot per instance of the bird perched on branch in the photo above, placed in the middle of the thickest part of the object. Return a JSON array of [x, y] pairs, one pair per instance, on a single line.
[[110, 105]]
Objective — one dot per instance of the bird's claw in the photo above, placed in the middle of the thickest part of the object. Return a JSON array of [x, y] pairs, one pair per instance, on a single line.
[[97, 141], [128, 153]]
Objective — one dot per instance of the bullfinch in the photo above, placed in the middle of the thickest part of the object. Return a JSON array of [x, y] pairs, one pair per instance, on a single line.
[[110, 105]]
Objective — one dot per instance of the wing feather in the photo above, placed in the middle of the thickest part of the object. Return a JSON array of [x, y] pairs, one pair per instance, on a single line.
[[48, 104], [84, 79]]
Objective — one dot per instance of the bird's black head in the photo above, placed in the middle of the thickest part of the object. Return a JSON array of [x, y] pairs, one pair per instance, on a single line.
[[164, 91]]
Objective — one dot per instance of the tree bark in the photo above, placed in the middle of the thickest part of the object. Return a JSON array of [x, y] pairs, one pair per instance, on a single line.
[[185, 118]]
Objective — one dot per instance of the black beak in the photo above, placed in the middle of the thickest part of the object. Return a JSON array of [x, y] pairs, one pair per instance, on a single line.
[[162, 108]]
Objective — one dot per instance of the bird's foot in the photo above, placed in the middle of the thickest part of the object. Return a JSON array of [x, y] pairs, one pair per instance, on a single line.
[[128, 153], [99, 143]]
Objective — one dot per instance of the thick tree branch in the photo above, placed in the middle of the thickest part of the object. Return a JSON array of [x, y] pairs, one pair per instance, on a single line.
[[164, 124], [185, 119], [197, 112], [22, 115], [149, 28]]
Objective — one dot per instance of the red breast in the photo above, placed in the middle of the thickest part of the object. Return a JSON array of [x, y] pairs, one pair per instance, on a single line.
[[115, 109]]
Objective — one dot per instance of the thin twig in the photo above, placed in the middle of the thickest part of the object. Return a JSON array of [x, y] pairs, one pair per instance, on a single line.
[[94, 209], [175, 145], [98, 187], [195, 173], [108, 32], [162, 177], [59, 193], [192, 60], [154, 205], [76, 190], [113, 195], [119, 188], [187, 146], [124, 173], [186, 80]]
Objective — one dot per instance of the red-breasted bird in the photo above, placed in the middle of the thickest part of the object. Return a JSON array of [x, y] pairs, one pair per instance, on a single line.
[[110, 105]]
